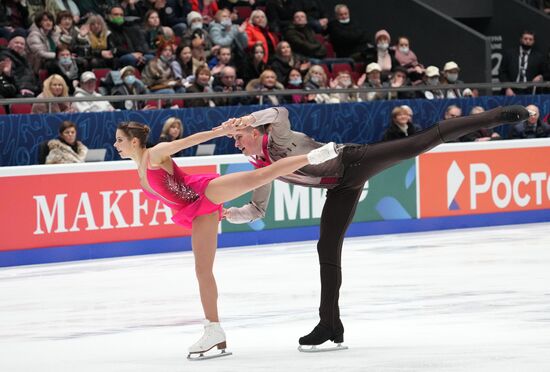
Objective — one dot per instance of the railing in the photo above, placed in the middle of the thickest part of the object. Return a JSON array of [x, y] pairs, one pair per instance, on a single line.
[[285, 92]]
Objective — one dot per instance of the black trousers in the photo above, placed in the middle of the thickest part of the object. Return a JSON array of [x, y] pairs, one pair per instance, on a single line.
[[361, 162]]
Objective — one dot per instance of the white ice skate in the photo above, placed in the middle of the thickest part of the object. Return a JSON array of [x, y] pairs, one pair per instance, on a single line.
[[213, 336], [323, 153]]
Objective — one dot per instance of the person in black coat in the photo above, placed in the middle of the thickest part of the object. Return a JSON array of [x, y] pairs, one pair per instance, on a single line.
[[401, 125], [533, 127], [127, 42], [513, 62], [301, 38], [25, 80], [346, 36]]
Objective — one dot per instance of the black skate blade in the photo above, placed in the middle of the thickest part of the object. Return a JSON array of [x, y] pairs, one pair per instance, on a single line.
[[204, 356], [317, 349]]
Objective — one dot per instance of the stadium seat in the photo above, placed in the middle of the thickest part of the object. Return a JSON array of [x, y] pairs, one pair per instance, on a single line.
[[100, 73], [178, 102], [327, 70], [359, 67], [20, 108], [3, 42], [243, 11], [330, 50], [42, 74], [337, 67], [2, 110]]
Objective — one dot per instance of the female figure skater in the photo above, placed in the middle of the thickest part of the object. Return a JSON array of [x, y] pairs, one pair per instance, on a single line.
[[197, 200]]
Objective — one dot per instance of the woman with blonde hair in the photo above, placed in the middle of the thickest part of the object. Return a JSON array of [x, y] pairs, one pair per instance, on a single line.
[[97, 32], [257, 31], [54, 86], [171, 131], [267, 82], [401, 125], [316, 78]]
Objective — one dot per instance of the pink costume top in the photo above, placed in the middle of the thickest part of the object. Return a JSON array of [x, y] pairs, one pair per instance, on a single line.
[[182, 192]]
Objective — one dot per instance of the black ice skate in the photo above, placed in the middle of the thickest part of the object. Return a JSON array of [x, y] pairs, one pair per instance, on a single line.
[[319, 335]]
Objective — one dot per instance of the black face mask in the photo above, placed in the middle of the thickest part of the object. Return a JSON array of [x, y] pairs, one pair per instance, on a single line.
[[525, 47]]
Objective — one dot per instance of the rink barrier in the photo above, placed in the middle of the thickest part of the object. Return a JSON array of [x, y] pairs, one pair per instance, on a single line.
[[85, 211], [359, 122]]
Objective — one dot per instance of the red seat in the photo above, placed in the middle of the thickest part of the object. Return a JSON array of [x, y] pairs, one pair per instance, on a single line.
[[3, 42], [243, 11], [178, 102], [359, 67], [326, 69], [20, 108], [154, 103], [330, 50], [42, 74], [337, 67], [2, 110], [100, 73], [137, 74]]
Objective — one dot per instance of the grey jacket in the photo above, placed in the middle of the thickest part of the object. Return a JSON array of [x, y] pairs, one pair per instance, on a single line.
[[283, 142]]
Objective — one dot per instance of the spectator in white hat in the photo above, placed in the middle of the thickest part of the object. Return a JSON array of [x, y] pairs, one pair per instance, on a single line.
[[431, 79], [450, 76], [371, 79], [87, 88]]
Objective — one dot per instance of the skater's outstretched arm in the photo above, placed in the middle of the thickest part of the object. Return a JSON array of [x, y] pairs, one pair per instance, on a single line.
[[163, 150]]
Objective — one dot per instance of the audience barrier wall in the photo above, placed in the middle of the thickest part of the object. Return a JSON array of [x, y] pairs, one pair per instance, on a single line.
[[364, 122], [83, 211]]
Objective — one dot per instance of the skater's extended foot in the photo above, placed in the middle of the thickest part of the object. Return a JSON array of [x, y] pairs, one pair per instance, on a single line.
[[323, 153], [213, 336], [321, 334], [513, 114]]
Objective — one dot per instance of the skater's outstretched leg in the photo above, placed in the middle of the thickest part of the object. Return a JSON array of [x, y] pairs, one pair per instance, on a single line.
[[370, 160], [231, 186]]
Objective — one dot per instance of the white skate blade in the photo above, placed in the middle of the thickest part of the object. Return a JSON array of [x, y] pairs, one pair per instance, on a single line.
[[317, 349], [205, 356]]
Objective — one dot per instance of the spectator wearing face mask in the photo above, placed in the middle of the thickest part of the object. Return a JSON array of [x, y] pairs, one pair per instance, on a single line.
[[130, 85], [347, 37], [66, 66], [225, 34], [127, 42], [344, 81], [383, 55], [294, 81], [372, 79], [197, 36], [158, 75], [450, 76], [316, 79], [407, 59], [431, 80], [522, 64]]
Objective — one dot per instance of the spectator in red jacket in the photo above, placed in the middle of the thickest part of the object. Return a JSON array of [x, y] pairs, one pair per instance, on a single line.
[[257, 31]]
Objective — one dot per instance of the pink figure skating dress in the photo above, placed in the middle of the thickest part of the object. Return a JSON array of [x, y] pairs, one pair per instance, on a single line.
[[183, 193]]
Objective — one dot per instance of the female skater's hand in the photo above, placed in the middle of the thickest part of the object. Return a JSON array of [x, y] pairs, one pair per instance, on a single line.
[[234, 125]]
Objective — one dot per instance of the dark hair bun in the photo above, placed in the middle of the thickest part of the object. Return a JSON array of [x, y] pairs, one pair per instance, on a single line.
[[146, 129]]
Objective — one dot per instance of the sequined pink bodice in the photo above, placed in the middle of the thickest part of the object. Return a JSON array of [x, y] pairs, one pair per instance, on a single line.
[[170, 187]]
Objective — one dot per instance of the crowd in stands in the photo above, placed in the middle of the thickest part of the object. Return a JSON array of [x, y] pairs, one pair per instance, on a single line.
[[62, 48]]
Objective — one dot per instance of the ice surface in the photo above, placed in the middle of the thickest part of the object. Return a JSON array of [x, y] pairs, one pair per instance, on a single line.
[[461, 300]]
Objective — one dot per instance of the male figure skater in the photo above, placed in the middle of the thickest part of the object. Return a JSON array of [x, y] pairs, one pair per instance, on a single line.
[[266, 137]]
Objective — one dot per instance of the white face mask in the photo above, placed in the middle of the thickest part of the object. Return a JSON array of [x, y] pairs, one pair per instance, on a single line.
[[196, 25], [452, 77], [382, 46], [404, 50], [346, 82], [225, 22], [433, 80], [315, 79], [344, 20]]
